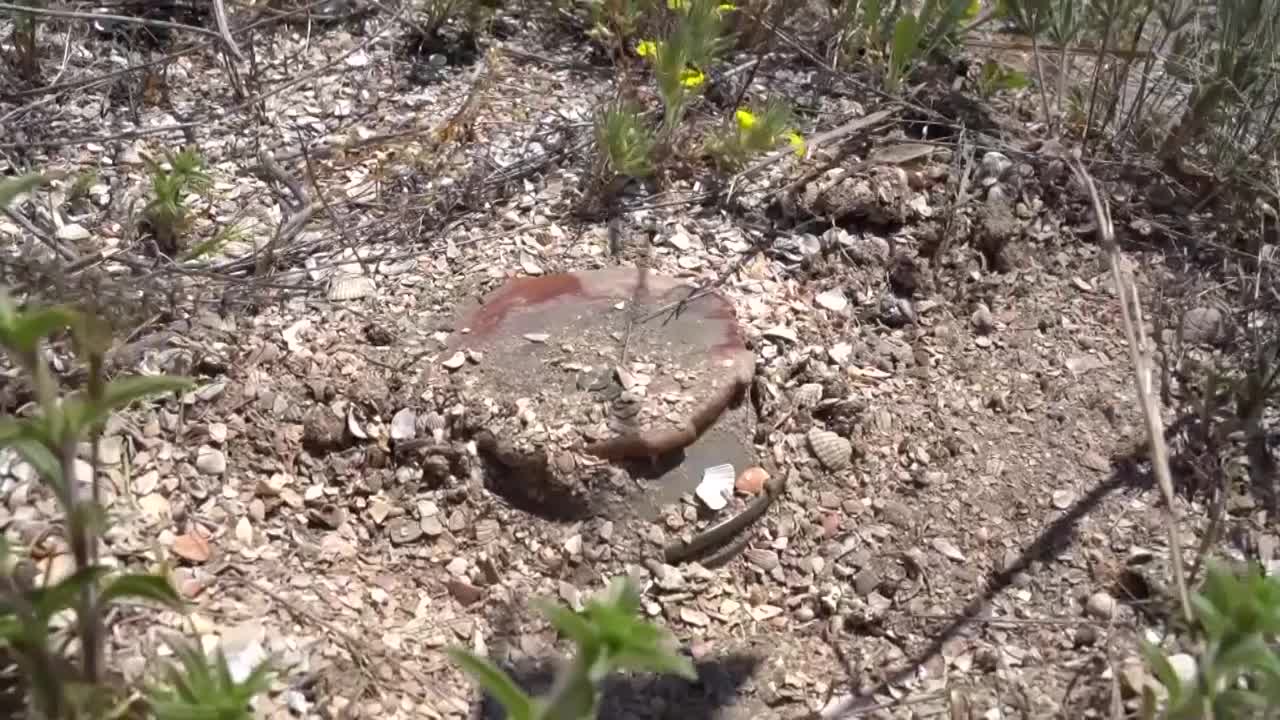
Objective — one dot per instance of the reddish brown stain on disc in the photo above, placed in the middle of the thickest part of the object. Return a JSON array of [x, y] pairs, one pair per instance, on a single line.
[[521, 292]]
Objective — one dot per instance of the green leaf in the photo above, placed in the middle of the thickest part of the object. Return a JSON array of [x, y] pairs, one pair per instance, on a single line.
[[1163, 670], [49, 601], [13, 187], [200, 687], [41, 458], [571, 624], [123, 391], [144, 587], [9, 623], [906, 43], [29, 328], [83, 413], [504, 690]]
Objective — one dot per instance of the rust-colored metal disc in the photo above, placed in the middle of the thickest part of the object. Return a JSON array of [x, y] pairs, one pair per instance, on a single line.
[[571, 377]]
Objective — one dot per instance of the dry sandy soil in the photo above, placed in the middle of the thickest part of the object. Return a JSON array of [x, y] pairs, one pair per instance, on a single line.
[[994, 549]]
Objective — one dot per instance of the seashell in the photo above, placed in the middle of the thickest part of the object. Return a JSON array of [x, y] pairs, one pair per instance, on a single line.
[[350, 287], [487, 531], [765, 560], [717, 483], [833, 300], [433, 422], [403, 424], [808, 395], [454, 361], [833, 451]]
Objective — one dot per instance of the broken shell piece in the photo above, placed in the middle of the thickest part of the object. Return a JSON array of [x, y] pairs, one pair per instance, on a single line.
[[350, 287], [716, 485], [354, 425], [808, 394], [455, 361], [782, 332], [403, 424], [832, 451], [434, 423], [833, 300]]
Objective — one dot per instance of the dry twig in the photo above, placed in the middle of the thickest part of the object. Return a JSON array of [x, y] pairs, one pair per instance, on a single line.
[[1135, 336]]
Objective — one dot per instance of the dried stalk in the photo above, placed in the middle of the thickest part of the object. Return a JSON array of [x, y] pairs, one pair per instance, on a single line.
[[1135, 336], [224, 29]]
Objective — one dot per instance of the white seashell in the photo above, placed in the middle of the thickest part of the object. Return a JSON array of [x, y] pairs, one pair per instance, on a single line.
[[833, 300], [350, 287], [354, 425], [403, 424], [782, 332], [455, 361], [808, 395], [833, 451], [716, 486]]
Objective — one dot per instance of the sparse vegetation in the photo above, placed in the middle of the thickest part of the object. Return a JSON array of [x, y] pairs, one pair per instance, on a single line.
[[24, 58], [1176, 101], [607, 636], [626, 140], [754, 132], [1235, 670], [898, 35], [38, 617], [167, 213]]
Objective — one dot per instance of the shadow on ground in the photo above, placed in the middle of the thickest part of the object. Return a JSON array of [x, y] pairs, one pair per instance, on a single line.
[[642, 695], [1129, 474]]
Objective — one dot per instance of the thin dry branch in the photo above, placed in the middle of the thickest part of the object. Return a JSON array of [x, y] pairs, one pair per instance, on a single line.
[[224, 29], [1135, 336], [80, 15]]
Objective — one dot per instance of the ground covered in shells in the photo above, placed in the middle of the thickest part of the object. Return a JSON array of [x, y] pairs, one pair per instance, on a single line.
[[983, 540]]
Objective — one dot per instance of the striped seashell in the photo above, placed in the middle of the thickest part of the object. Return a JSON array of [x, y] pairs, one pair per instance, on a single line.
[[487, 531], [350, 287], [433, 422], [808, 394], [766, 560], [833, 451]]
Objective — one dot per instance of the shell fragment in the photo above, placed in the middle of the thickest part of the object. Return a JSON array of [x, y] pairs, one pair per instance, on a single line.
[[716, 486]]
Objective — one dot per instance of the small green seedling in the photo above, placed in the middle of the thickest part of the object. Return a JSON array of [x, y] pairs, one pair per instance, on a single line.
[[994, 77], [198, 687], [626, 141], [167, 212], [1237, 616], [608, 636]]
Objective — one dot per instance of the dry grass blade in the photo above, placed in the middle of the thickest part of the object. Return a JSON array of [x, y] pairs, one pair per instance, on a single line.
[[224, 29], [1131, 316]]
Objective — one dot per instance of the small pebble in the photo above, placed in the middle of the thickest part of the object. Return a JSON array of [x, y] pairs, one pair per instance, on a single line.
[[211, 461], [1101, 605], [982, 320]]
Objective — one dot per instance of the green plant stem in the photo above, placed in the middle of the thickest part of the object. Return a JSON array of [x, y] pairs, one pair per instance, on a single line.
[[83, 548], [574, 694]]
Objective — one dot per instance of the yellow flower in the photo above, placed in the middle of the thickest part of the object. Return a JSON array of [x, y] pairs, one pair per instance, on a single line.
[[646, 48], [745, 119], [676, 4], [797, 142], [726, 7], [692, 77]]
